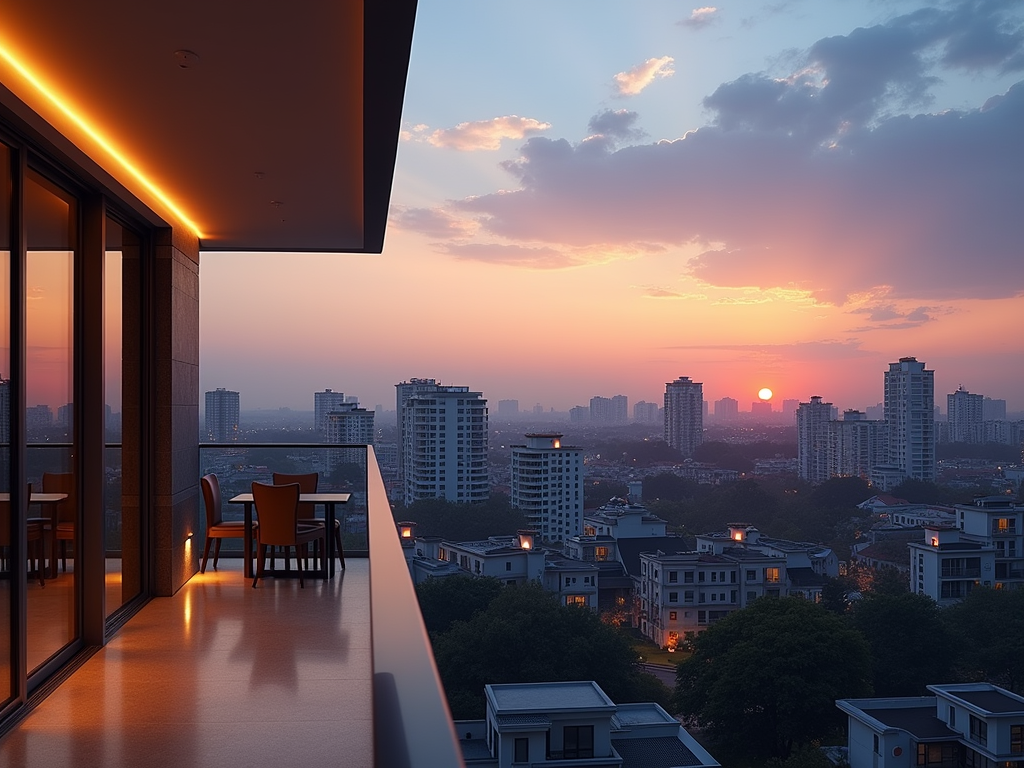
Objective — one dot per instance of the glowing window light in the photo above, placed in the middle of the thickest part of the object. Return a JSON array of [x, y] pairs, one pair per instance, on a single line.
[[93, 134]]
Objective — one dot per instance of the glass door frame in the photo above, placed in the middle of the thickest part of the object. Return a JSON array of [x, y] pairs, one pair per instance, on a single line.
[[88, 394]]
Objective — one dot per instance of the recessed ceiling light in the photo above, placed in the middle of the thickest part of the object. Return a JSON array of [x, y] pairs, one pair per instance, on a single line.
[[186, 59]]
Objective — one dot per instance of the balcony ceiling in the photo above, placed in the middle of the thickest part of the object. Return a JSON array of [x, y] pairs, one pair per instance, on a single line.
[[279, 134]]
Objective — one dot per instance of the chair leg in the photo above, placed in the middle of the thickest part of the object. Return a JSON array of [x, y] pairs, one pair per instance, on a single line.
[[261, 556], [216, 553], [206, 554], [298, 560], [339, 547]]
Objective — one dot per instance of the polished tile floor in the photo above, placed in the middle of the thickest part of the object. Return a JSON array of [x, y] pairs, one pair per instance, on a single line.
[[220, 675]]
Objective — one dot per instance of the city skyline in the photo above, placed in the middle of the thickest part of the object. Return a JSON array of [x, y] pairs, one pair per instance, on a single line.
[[770, 196]]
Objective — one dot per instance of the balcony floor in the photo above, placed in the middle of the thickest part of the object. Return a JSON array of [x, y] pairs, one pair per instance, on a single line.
[[220, 674]]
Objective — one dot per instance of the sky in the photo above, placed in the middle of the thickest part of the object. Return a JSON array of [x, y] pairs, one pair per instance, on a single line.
[[597, 198]]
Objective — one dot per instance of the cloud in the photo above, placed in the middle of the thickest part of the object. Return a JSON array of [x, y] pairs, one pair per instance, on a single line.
[[656, 292], [534, 257], [797, 352], [700, 18], [888, 316], [433, 222], [618, 124], [817, 182], [633, 81], [486, 134]]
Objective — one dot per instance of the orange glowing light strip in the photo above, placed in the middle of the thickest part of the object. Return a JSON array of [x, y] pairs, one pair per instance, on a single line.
[[93, 134]]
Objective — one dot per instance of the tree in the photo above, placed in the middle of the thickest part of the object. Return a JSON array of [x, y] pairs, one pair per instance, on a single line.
[[525, 635], [897, 628], [446, 600], [988, 628], [768, 676]]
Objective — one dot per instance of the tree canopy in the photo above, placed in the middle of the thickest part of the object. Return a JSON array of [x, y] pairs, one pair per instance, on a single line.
[[897, 628], [988, 629], [463, 522], [454, 598], [525, 635], [768, 676]]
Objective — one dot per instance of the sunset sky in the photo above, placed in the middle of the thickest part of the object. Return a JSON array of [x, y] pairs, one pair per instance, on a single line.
[[595, 199]]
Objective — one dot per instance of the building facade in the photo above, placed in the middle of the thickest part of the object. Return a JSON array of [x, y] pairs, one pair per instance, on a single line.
[[965, 416], [547, 485], [812, 427], [727, 409], [977, 725], [646, 413], [910, 419], [221, 415], [686, 591], [855, 445], [444, 444], [684, 415], [324, 403]]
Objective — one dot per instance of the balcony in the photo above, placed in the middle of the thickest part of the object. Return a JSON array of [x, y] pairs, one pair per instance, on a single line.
[[340, 672]]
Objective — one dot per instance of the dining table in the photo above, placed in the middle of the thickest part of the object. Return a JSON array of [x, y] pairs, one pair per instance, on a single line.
[[329, 502], [48, 503]]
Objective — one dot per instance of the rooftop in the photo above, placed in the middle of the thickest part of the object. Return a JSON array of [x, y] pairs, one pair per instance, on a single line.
[[547, 697]]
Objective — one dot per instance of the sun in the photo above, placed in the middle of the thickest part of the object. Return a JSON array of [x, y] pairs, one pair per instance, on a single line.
[[764, 393]]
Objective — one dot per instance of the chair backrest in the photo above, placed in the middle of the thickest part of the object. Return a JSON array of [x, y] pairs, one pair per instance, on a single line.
[[307, 484], [62, 482], [277, 507], [211, 499]]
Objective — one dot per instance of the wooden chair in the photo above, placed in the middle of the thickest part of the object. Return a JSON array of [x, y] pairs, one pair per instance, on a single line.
[[34, 529], [278, 510], [216, 527], [308, 483], [64, 515]]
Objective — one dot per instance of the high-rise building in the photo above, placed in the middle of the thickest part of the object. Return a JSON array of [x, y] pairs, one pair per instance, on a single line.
[[855, 445], [609, 410], [443, 448], [323, 403], [547, 485], [727, 409], [221, 415], [403, 391], [508, 409], [579, 414], [761, 408], [646, 413], [684, 414], [812, 425], [910, 418], [964, 413], [789, 407], [348, 423], [993, 410]]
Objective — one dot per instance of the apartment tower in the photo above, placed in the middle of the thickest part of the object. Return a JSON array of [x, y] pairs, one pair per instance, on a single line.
[[547, 485], [324, 403], [443, 448], [221, 415], [965, 415], [910, 418], [812, 426], [684, 414]]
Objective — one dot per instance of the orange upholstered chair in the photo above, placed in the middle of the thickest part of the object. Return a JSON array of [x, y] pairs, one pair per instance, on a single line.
[[278, 509], [216, 527]]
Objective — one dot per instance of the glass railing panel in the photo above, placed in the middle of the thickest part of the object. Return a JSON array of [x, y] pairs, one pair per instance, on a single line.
[[342, 469]]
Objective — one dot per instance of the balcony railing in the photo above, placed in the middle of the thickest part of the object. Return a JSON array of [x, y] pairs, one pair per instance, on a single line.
[[412, 725]]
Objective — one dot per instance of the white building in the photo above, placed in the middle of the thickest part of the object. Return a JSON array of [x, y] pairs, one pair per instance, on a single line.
[[348, 423], [609, 410], [968, 724], [812, 430], [855, 445], [221, 415], [323, 403], [573, 724], [682, 592], [403, 391], [646, 413], [910, 417], [985, 549], [684, 415], [444, 444], [547, 485], [965, 414]]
